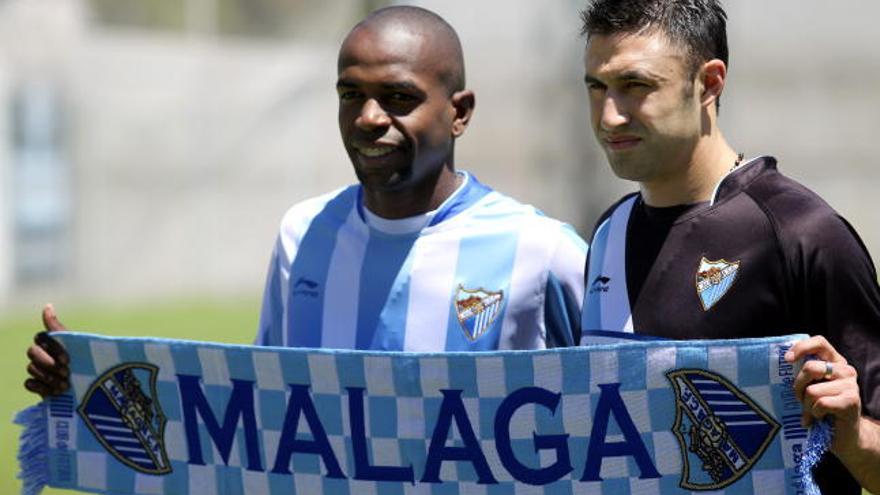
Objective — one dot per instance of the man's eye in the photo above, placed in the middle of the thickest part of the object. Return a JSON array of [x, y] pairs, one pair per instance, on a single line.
[[595, 87], [401, 97], [635, 85], [348, 95]]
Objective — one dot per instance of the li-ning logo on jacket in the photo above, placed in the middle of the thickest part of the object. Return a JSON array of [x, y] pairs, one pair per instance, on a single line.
[[476, 310], [714, 278], [122, 410], [721, 431]]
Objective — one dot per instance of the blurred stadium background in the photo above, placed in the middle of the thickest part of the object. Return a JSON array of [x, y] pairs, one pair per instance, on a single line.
[[149, 148]]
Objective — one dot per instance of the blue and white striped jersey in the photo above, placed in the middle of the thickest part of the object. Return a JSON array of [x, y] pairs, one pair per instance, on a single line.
[[482, 272]]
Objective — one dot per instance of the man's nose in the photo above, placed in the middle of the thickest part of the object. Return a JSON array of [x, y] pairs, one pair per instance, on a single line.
[[372, 116], [613, 115]]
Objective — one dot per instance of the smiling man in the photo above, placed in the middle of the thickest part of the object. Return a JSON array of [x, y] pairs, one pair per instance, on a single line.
[[713, 246], [417, 256]]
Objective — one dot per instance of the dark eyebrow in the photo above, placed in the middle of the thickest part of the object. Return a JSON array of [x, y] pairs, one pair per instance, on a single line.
[[402, 85], [588, 79], [405, 85], [629, 75], [636, 74]]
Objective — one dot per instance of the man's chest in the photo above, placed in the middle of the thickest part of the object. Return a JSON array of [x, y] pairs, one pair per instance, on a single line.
[[714, 278]]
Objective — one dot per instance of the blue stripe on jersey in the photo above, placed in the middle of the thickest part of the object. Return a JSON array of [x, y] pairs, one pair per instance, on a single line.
[[561, 314], [308, 276], [474, 271], [270, 318], [391, 326], [473, 191], [385, 260], [592, 311]]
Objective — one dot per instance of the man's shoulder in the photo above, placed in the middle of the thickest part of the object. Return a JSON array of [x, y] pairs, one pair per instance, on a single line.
[[792, 207], [336, 203], [610, 211], [803, 221], [503, 209]]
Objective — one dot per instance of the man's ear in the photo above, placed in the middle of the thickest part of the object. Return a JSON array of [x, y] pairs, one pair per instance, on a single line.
[[463, 102], [712, 77]]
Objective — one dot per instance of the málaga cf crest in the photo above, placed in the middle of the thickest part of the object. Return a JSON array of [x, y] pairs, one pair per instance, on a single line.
[[714, 278], [720, 430], [121, 409], [477, 310]]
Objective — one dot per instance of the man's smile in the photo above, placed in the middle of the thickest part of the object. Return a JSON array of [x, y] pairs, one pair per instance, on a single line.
[[375, 151]]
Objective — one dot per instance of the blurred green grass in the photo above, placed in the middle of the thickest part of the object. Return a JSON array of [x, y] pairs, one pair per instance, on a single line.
[[220, 320]]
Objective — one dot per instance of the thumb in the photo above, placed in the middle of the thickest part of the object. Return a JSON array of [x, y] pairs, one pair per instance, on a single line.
[[50, 319]]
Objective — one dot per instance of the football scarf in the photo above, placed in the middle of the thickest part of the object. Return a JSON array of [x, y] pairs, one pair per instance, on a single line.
[[151, 416]]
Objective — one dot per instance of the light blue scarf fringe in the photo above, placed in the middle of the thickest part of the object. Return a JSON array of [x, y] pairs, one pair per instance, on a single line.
[[818, 442], [33, 449]]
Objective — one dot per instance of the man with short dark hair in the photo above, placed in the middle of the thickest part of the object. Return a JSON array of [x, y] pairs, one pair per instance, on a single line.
[[713, 245], [417, 256]]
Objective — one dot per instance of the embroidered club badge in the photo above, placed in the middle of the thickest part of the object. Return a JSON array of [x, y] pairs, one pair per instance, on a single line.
[[720, 430], [121, 409], [714, 278], [477, 310]]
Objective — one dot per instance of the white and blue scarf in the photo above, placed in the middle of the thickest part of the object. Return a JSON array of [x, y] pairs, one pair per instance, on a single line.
[[151, 416]]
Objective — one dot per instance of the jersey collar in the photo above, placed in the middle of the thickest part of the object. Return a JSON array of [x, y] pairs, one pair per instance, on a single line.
[[737, 179], [468, 193]]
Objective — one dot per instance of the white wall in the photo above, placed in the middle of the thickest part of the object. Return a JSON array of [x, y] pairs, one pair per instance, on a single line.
[[187, 149]]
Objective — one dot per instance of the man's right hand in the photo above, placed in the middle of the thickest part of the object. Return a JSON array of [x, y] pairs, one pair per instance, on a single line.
[[48, 367]]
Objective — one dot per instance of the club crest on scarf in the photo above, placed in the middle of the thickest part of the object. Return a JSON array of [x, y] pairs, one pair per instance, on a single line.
[[720, 430], [477, 310], [121, 409], [714, 278]]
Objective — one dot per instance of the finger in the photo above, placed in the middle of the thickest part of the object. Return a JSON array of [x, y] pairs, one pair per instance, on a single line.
[[808, 402], [50, 319], [840, 405], [40, 375], [811, 372], [47, 364], [814, 372], [816, 391], [817, 346], [40, 357], [36, 387], [44, 389], [837, 397], [52, 347], [52, 381]]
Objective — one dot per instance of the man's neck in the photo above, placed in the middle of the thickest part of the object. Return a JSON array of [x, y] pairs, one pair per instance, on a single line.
[[695, 181], [426, 197]]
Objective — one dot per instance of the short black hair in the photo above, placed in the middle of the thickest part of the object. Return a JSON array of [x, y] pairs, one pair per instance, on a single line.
[[699, 26], [445, 37]]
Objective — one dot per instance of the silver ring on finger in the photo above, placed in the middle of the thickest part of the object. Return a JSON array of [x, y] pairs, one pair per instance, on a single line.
[[829, 370]]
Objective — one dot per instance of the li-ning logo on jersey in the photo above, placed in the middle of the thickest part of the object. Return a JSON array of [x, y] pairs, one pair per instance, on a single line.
[[476, 310], [305, 287], [714, 278], [600, 284], [121, 409], [721, 431]]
